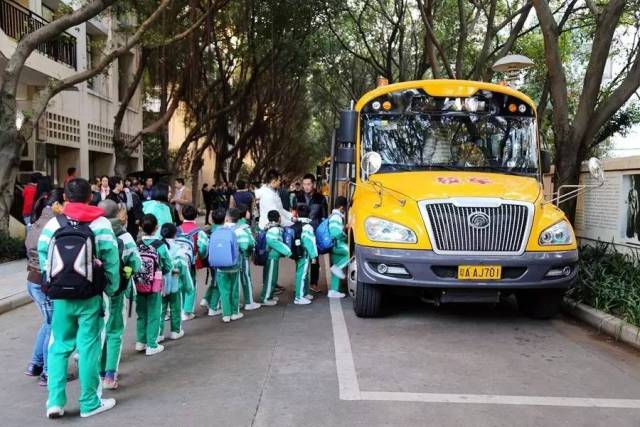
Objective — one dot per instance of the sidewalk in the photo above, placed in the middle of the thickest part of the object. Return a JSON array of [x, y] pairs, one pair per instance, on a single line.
[[13, 285]]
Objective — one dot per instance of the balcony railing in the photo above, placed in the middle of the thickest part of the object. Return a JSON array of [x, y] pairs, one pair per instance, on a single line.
[[17, 21]]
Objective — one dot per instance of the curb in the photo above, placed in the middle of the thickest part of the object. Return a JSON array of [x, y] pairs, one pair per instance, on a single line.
[[14, 301], [610, 325]]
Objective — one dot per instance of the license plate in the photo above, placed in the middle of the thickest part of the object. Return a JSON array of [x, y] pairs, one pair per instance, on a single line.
[[479, 272]]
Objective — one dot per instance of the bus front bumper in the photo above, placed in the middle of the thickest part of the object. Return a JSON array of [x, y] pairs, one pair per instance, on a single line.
[[426, 269]]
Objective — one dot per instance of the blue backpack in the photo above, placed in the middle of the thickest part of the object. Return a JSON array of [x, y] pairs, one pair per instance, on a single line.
[[324, 241], [224, 251], [260, 254], [289, 237]]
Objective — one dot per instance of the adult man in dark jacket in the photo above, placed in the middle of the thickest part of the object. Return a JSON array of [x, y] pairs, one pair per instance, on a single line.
[[318, 211]]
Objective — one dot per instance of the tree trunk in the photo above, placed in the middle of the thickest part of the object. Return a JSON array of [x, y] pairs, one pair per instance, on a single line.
[[122, 159], [9, 160], [568, 164]]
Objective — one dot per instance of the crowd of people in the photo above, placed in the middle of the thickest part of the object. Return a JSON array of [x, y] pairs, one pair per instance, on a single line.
[[94, 247]]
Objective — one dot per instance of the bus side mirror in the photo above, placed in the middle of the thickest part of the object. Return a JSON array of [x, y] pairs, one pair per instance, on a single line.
[[545, 158]]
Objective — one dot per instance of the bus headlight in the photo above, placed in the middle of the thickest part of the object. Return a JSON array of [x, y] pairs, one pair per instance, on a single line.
[[381, 230], [558, 234]]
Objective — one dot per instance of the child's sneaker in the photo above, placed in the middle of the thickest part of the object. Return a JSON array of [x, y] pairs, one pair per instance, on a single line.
[[270, 302], [160, 338], [110, 381], [55, 412], [105, 405], [226, 319], [140, 346], [204, 303], [237, 316], [301, 301], [309, 297], [151, 351], [252, 306], [176, 335], [335, 294], [188, 316], [337, 272], [43, 380], [213, 312]]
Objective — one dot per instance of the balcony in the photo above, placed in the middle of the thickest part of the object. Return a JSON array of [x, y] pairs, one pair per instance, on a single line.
[[17, 21]]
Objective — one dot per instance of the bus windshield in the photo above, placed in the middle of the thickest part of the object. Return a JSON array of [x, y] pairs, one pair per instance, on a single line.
[[440, 140]]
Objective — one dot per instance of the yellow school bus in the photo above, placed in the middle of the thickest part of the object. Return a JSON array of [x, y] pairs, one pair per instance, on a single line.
[[448, 198]]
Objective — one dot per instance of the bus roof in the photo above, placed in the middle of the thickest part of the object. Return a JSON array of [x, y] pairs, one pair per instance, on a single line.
[[451, 88]]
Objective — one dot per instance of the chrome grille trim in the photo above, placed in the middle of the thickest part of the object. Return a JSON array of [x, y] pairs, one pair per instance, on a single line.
[[449, 232]]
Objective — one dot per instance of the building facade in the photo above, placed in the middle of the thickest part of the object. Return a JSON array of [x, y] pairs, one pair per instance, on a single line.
[[76, 129]]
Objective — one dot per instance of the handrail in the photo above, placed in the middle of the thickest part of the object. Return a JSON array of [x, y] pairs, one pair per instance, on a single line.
[[17, 21]]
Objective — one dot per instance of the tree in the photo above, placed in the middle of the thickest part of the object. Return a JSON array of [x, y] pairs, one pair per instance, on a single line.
[[12, 140], [576, 129]]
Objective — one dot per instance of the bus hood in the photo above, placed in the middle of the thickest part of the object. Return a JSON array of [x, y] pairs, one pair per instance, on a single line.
[[450, 184]]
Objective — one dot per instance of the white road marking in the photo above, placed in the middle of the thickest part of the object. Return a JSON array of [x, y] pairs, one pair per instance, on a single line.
[[350, 388], [347, 377]]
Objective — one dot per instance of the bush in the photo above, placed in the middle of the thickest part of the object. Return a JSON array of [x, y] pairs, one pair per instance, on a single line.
[[11, 248], [609, 281]]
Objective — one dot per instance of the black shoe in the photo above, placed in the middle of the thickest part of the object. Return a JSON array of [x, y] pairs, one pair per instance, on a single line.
[[43, 380], [33, 370]]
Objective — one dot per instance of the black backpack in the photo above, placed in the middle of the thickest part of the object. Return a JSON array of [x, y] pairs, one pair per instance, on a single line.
[[124, 281], [73, 271], [297, 249]]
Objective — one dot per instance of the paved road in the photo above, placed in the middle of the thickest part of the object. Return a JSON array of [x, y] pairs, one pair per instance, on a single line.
[[278, 367]]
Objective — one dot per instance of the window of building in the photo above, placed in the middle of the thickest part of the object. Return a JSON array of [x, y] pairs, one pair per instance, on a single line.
[[125, 74], [95, 49], [48, 13]]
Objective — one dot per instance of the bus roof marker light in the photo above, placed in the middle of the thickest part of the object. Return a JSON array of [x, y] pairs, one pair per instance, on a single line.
[[511, 66], [522, 108], [375, 105], [386, 105]]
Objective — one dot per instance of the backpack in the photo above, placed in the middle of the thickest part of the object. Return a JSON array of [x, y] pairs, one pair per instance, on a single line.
[[260, 254], [297, 250], [149, 279], [73, 270], [124, 280], [224, 251], [190, 245], [324, 241]]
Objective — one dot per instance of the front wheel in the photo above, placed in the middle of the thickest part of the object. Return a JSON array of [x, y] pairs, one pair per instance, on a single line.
[[368, 300], [540, 304]]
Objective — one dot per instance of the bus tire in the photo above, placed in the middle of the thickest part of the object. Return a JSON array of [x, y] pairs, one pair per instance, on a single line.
[[368, 300], [540, 304]]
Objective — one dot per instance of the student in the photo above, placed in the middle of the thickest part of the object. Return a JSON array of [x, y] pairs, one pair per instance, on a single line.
[[178, 279], [309, 255], [276, 250], [114, 314], [211, 297], [340, 250], [155, 258], [228, 278], [77, 316], [200, 240], [247, 245]]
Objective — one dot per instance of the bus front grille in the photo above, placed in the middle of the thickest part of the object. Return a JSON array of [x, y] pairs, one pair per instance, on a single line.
[[501, 228]]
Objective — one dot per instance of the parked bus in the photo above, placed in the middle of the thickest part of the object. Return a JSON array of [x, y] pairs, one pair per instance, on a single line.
[[448, 198]]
